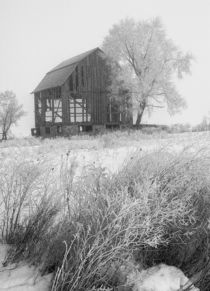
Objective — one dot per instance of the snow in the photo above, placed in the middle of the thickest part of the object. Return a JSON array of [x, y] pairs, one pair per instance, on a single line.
[[88, 153], [21, 277], [160, 278]]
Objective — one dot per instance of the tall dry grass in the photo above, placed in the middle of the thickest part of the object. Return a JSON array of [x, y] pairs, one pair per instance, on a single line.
[[156, 209], [17, 182]]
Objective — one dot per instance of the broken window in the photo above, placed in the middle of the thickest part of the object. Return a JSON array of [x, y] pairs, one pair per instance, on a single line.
[[78, 110], [57, 112], [48, 111], [53, 107]]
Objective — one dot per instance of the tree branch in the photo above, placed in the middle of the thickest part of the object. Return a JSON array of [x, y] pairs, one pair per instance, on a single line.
[[156, 95], [148, 44], [156, 106], [131, 60]]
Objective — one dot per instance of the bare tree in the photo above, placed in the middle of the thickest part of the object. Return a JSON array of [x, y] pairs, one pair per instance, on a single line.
[[149, 62], [10, 112]]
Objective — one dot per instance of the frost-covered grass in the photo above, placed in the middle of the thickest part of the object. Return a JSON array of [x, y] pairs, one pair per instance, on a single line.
[[155, 208], [110, 139]]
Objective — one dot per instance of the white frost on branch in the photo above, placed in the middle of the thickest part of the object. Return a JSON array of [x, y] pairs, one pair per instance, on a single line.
[[149, 62]]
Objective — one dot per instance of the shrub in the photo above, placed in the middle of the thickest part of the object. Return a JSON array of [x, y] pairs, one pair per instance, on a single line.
[[29, 236], [174, 191], [155, 209], [151, 130], [179, 128], [17, 182]]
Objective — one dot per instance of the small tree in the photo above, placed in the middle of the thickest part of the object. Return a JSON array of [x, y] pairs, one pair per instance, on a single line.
[[149, 61], [204, 125], [10, 112]]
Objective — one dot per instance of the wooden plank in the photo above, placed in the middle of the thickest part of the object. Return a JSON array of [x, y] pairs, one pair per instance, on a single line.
[[53, 98], [74, 111], [65, 104], [43, 107], [36, 111]]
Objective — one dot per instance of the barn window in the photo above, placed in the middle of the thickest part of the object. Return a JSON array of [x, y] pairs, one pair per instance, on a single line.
[[48, 112], [78, 110], [53, 106], [57, 113]]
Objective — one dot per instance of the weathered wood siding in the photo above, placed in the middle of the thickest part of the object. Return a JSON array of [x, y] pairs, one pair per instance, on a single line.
[[40, 103], [82, 102], [89, 83]]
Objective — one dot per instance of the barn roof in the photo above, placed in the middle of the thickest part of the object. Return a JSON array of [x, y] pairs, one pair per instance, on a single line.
[[59, 74]]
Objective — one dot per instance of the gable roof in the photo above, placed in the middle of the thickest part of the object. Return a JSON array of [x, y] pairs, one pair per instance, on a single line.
[[59, 74]]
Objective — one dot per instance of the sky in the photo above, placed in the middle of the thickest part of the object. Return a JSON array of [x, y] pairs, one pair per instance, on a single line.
[[36, 35]]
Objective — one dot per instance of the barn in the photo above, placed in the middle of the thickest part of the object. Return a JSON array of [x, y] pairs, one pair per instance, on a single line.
[[73, 97]]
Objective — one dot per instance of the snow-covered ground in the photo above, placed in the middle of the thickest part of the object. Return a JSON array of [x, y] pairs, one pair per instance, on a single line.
[[21, 277], [161, 278], [109, 154], [109, 151]]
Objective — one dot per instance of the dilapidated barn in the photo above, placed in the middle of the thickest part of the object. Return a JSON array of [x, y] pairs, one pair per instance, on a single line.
[[73, 97]]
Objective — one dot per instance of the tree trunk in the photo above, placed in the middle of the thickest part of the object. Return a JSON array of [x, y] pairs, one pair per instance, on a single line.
[[142, 106], [4, 135], [139, 118]]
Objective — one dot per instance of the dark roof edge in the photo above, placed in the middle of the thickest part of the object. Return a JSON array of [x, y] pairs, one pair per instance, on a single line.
[[72, 64], [34, 91], [91, 51], [62, 68]]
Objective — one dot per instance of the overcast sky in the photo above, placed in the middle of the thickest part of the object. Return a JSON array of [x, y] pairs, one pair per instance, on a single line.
[[38, 34]]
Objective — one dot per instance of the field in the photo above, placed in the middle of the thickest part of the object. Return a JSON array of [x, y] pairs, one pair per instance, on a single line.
[[90, 210]]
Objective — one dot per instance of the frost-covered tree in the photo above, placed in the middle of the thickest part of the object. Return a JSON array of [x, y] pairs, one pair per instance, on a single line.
[[10, 112], [149, 63], [204, 125]]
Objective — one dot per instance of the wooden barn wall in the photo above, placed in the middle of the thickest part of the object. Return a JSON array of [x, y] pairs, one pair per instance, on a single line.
[[90, 85], [40, 103], [36, 114], [88, 82], [39, 114]]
